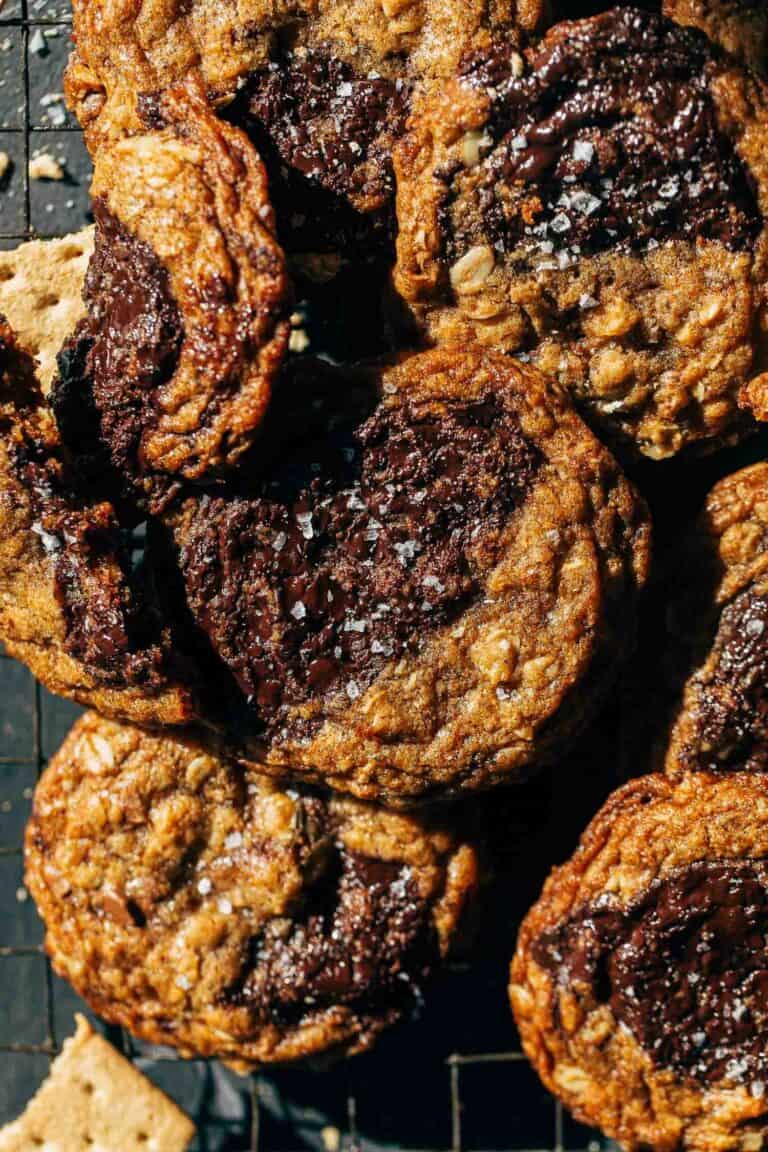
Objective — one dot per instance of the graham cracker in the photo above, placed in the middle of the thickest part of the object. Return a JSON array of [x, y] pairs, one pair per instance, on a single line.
[[94, 1100], [41, 285]]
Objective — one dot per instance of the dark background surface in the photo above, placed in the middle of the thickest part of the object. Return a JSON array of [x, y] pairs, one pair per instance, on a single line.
[[452, 1080]]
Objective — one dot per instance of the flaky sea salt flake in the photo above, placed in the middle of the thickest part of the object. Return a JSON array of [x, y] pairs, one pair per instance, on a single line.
[[304, 521], [583, 151]]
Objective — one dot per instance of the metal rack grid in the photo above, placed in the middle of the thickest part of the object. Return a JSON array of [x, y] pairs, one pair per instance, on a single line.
[[26, 130], [367, 1105]]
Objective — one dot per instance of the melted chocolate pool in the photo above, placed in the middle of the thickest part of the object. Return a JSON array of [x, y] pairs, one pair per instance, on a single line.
[[366, 532], [732, 706], [366, 940], [121, 353], [608, 140], [326, 132], [685, 969]]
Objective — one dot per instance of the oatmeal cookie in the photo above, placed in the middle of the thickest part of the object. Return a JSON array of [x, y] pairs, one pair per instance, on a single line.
[[596, 204], [640, 980], [430, 582], [739, 26], [323, 89], [210, 909], [424, 578], [186, 295], [718, 629], [73, 606]]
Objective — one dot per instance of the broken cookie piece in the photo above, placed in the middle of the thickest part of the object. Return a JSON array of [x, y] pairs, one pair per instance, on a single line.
[[211, 909], [74, 605], [41, 285], [718, 632]]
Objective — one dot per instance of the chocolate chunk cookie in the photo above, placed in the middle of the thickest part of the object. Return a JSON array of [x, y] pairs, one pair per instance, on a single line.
[[718, 626], [423, 578], [322, 89], [640, 983], [75, 605], [596, 205], [205, 907], [431, 583], [186, 295], [739, 26]]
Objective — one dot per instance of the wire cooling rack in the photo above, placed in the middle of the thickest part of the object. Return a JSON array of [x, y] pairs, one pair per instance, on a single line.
[[453, 1081]]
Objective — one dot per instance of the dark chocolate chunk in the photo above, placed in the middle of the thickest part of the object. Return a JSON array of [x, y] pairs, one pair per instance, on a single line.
[[685, 968], [364, 939], [113, 625], [326, 132], [608, 140], [120, 354], [731, 708]]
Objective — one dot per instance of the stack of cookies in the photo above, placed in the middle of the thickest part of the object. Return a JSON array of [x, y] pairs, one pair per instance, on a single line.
[[317, 600]]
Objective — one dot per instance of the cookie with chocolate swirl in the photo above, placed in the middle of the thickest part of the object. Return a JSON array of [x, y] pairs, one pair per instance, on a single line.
[[596, 204], [206, 907]]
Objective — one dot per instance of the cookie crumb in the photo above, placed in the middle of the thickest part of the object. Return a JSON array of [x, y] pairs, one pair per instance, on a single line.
[[55, 112], [331, 1138], [298, 341], [37, 43], [45, 167], [5, 164]]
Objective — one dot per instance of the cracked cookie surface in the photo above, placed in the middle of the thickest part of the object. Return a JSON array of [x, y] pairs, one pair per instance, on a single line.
[[639, 982], [738, 26], [203, 906], [595, 204]]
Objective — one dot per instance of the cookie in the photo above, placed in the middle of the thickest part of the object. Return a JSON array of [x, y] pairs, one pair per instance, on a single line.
[[322, 89], [186, 293], [596, 204], [202, 906], [82, 1105], [718, 631], [424, 578], [739, 26], [639, 982], [431, 583], [73, 604], [41, 285]]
